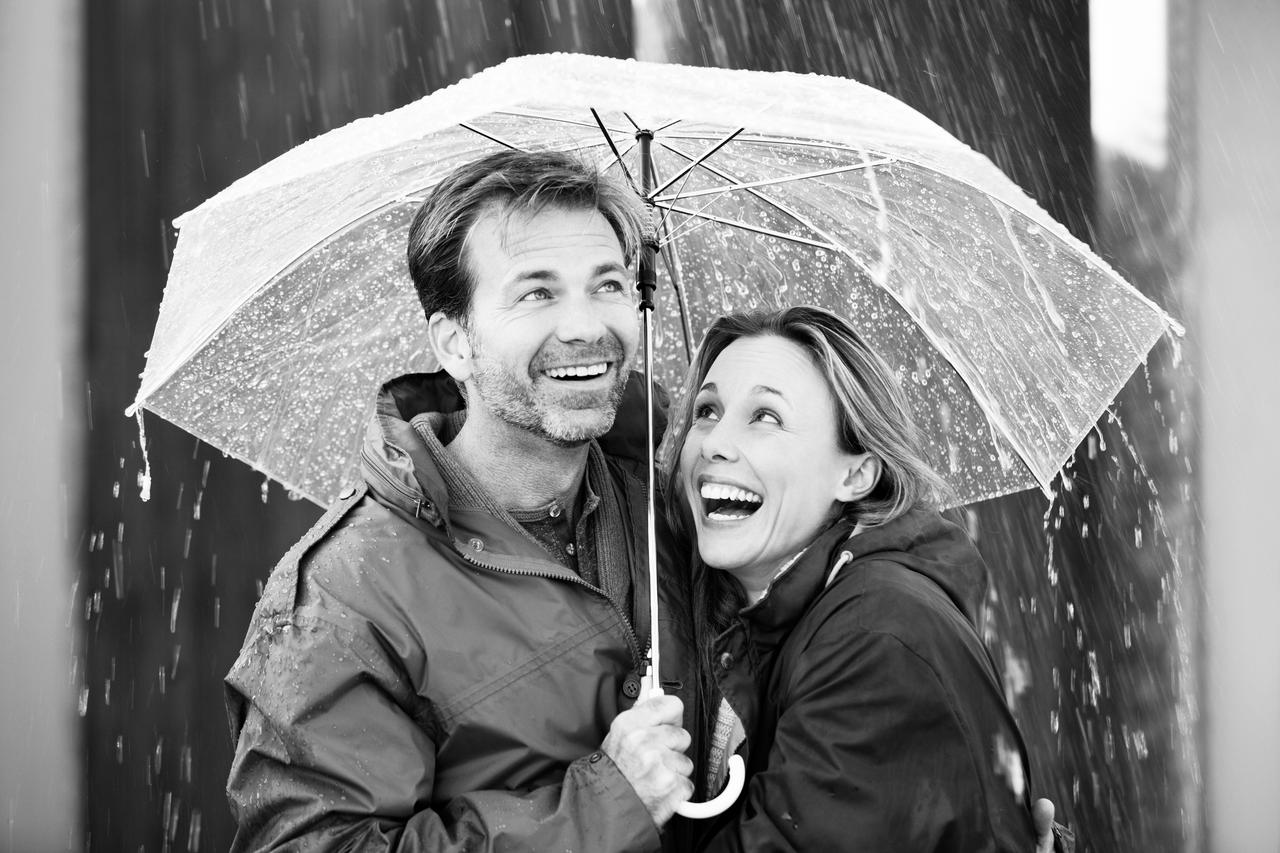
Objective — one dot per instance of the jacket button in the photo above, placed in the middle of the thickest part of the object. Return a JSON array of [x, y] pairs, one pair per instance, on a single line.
[[476, 544], [726, 661], [631, 687], [595, 756], [346, 493]]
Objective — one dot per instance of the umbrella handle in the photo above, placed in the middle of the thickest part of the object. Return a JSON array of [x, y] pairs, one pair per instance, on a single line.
[[727, 797], [737, 770]]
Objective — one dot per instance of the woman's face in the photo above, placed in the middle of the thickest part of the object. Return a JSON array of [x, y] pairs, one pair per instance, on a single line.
[[761, 465]]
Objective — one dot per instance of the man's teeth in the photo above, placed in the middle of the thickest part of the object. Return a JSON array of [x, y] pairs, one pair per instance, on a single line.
[[577, 370], [721, 492]]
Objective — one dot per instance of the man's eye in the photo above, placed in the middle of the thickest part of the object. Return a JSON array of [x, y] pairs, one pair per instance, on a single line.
[[537, 295], [612, 287]]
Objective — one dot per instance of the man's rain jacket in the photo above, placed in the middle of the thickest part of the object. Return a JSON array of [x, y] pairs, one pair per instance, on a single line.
[[421, 679]]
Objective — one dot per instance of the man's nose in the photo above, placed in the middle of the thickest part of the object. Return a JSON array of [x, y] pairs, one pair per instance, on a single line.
[[581, 320]]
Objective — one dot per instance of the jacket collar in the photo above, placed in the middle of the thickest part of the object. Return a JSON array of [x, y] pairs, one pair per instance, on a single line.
[[795, 587], [920, 540], [400, 469]]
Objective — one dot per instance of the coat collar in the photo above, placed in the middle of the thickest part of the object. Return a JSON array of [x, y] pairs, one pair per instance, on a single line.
[[920, 540]]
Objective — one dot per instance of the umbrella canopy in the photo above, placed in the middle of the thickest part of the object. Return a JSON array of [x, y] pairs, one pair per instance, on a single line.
[[289, 299]]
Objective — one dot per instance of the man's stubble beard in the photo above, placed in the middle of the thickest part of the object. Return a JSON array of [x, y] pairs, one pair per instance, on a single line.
[[516, 403]]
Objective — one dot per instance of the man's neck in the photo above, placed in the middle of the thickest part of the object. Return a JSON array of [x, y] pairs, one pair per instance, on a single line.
[[519, 469]]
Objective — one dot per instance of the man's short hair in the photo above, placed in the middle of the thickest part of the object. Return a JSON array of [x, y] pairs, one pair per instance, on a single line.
[[514, 182]]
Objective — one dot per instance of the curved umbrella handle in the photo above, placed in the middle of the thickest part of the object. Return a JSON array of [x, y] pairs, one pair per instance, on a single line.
[[726, 798], [737, 770]]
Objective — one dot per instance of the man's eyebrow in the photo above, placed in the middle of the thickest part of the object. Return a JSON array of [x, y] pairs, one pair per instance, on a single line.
[[552, 275], [534, 275], [608, 267]]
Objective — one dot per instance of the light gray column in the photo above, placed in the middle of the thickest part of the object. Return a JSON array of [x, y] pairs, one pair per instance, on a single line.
[[1237, 279], [41, 429]]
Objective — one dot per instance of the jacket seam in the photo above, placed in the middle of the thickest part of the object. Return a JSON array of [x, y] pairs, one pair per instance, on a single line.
[[459, 706]]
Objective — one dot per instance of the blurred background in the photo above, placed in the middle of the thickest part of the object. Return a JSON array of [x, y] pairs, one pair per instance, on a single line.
[[1132, 614]]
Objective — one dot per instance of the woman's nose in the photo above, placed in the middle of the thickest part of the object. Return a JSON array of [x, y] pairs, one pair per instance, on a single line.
[[719, 443]]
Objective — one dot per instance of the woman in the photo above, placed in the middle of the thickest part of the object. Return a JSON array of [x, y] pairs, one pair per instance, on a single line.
[[835, 608]]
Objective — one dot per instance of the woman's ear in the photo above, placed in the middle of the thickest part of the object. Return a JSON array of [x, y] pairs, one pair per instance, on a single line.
[[860, 476], [451, 345]]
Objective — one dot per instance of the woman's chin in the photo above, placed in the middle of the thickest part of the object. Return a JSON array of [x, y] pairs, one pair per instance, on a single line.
[[729, 556]]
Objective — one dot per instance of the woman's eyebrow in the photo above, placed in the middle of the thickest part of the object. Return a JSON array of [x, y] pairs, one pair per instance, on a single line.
[[758, 389]]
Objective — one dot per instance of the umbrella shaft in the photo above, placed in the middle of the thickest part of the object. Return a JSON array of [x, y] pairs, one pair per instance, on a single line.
[[651, 517]]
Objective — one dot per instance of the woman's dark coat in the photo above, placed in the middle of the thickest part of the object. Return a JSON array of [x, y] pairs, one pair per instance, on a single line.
[[880, 723]]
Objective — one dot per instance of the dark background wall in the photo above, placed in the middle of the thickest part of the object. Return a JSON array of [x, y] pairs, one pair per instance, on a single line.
[[185, 96]]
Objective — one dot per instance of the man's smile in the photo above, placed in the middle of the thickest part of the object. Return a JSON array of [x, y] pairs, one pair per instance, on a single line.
[[575, 372]]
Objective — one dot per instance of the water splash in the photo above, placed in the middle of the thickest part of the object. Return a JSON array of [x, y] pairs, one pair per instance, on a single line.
[[144, 478]]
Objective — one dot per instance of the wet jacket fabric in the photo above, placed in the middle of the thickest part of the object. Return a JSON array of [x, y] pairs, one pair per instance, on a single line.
[[416, 677], [876, 720]]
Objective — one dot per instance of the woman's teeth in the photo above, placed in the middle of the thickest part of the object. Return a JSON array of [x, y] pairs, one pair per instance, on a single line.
[[728, 503], [577, 371]]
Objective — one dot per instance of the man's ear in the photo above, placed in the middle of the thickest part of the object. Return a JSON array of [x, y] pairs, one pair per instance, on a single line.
[[451, 345], [861, 473]]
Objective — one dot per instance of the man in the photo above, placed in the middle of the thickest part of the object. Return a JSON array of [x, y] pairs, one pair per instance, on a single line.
[[449, 659]]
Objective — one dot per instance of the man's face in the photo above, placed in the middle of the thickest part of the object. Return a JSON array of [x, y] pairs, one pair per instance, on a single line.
[[553, 325]]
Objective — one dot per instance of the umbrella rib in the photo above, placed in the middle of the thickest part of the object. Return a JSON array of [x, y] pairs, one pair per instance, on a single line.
[[752, 228], [698, 162], [675, 271], [489, 136], [666, 214], [608, 137], [772, 181], [751, 139], [544, 117], [608, 159], [720, 173]]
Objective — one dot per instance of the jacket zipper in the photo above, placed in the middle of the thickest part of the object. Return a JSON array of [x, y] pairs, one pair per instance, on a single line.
[[392, 484], [633, 641]]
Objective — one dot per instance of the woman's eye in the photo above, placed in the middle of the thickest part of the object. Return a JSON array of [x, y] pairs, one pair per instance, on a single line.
[[705, 412], [768, 417]]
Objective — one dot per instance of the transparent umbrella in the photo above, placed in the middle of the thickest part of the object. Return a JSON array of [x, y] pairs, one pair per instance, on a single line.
[[289, 301]]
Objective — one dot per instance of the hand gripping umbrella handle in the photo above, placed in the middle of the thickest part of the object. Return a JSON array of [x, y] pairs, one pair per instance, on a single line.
[[737, 770]]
